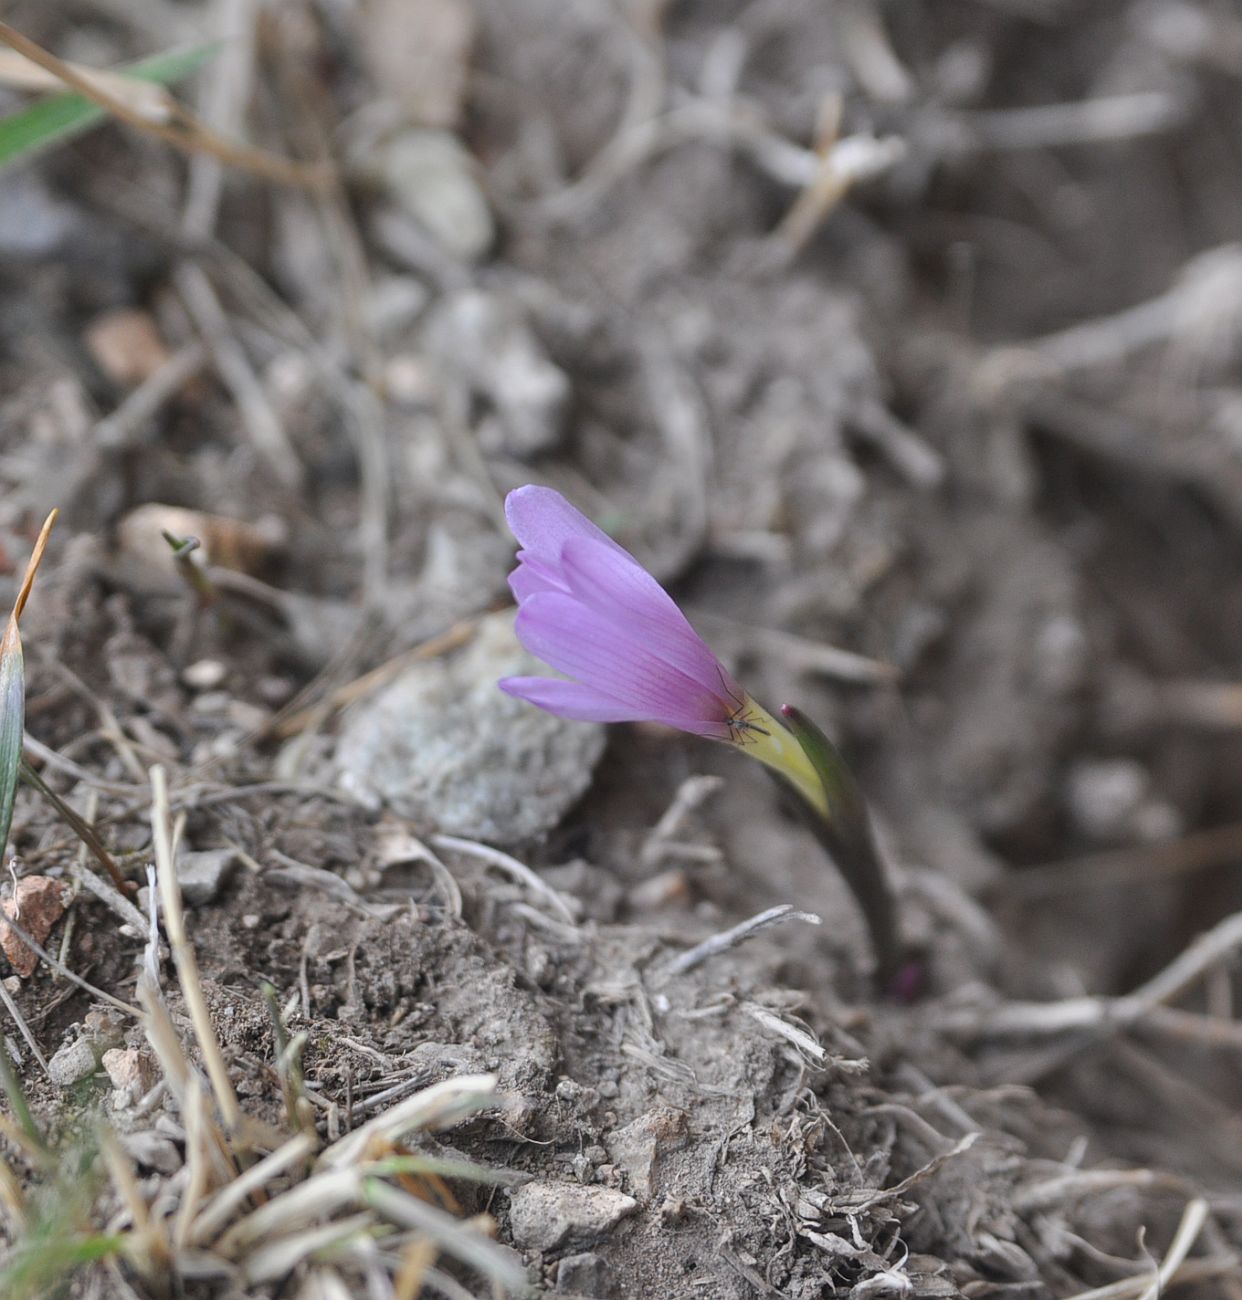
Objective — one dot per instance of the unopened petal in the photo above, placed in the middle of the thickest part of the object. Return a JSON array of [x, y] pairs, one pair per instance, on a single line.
[[543, 521], [532, 575], [569, 699], [603, 653], [620, 589]]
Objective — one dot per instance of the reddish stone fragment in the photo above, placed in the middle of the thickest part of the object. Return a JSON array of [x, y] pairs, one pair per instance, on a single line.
[[37, 904]]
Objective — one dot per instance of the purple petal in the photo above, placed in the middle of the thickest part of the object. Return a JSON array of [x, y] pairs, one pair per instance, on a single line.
[[543, 521], [533, 575], [569, 699], [605, 655], [622, 591]]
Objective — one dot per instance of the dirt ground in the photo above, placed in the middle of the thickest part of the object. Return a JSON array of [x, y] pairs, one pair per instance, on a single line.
[[903, 343]]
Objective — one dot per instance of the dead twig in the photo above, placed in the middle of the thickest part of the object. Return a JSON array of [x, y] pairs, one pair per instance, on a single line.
[[1197, 852], [20, 1021], [728, 939], [181, 129], [288, 724], [691, 794], [516, 870], [183, 951], [266, 432]]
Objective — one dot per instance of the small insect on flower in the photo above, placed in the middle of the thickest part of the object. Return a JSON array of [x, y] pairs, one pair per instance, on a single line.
[[741, 722]]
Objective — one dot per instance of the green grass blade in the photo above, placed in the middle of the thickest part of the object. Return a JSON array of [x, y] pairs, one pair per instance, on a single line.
[[60, 118], [41, 1265], [12, 721]]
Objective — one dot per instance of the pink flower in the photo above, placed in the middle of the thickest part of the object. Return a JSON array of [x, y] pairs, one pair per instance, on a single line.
[[587, 608]]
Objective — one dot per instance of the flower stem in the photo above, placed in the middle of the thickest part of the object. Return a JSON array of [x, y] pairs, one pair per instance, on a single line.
[[804, 759]]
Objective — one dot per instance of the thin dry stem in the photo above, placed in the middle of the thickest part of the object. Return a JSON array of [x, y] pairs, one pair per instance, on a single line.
[[290, 724], [217, 1212], [152, 101], [36, 558], [61, 969], [1193, 1219], [183, 130], [516, 870], [722, 942], [265, 429], [183, 952], [20, 1021]]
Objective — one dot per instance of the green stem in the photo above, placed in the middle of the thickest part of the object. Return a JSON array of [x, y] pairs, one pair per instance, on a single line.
[[835, 810]]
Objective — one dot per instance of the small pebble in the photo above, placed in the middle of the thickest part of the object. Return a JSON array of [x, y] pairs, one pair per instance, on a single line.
[[545, 1215], [128, 1068], [432, 177], [38, 902], [203, 875], [72, 1063], [126, 345], [152, 1150], [583, 1275], [104, 1028], [204, 674]]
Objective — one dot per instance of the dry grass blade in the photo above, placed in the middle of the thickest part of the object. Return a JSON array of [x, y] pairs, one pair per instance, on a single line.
[[183, 952], [319, 1197], [518, 871], [1193, 1219], [182, 129], [150, 101], [728, 939], [220, 1209], [80, 827], [20, 1021], [162, 1035], [445, 1230], [296, 719], [416, 1259], [278, 1259], [440, 1105], [233, 365]]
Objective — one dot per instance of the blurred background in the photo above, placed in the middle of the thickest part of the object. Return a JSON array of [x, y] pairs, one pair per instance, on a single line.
[[903, 343]]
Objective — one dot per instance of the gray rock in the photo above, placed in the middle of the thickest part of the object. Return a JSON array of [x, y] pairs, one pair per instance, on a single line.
[[202, 875], [639, 1146], [486, 339], [104, 1028], [584, 1275], [152, 1150], [447, 749], [545, 1215], [73, 1062], [433, 178]]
